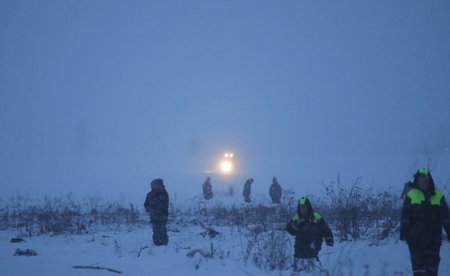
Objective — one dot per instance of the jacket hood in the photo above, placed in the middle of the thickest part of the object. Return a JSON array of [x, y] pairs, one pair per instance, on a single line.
[[426, 172], [305, 201], [157, 184]]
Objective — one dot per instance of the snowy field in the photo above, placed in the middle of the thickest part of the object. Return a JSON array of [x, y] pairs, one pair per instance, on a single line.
[[241, 247], [130, 251]]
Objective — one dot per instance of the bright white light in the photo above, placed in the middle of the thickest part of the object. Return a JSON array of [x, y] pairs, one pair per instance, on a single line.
[[226, 166], [228, 155]]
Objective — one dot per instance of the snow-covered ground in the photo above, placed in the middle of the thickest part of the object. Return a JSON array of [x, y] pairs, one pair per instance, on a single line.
[[251, 240], [129, 250]]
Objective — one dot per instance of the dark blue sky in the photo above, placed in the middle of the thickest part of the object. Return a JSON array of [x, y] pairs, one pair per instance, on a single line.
[[106, 95]]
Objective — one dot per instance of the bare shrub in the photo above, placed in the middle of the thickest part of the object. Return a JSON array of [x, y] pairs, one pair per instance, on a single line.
[[352, 213], [61, 215], [346, 208], [357, 213], [273, 251]]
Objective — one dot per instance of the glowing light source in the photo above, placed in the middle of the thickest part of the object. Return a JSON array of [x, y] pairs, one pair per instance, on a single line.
[[226, 166], [228, 155], [227, 163]]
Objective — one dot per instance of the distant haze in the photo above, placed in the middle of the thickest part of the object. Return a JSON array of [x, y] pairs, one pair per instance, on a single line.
[[102, 97]]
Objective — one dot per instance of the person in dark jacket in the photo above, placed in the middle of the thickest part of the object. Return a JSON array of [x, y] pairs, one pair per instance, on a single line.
[[157, 205], [275, 191], [247, 189], [207, 189], [309, 229], [424, 214]]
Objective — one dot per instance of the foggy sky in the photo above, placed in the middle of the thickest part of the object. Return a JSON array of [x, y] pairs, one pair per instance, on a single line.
[[103, 96]]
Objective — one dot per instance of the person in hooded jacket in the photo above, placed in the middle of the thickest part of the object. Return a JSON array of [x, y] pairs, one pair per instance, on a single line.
[[309, 229], [424, 214], [207, 189], [247, 190], [157, 205], [275, 191]]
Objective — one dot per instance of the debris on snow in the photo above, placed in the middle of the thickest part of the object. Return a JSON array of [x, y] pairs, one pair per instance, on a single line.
[[96, 267], [26, 252], [17, 240]]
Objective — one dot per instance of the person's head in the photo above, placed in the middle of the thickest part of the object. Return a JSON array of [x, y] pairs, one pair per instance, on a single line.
[[304, 207], [423, 179], [157, 184], [250, 180], [423, 182], [274, 180]]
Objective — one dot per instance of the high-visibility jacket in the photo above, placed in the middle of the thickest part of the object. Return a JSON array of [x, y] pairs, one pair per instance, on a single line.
[[309, 231], [424, 214]]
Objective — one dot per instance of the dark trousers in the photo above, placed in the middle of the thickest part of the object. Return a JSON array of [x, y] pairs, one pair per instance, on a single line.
[[160, 233], [425, 260]]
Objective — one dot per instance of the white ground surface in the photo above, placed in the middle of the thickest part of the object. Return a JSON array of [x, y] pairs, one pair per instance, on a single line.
[[119, 249]]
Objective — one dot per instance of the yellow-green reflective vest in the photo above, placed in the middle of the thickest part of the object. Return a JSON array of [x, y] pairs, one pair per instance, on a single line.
[[418, 197], [316, 218]]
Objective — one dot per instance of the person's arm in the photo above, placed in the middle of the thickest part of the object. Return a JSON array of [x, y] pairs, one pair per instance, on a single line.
[[292, 227], [166, 203], [326, 232], [405, 221], [278, 191], [147, 203], [445, 218]]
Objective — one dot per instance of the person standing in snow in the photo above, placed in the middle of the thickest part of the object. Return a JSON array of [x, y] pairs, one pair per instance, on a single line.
[[247, 189], [424, 214], [275, 191], [157, 205], [207, 189], [309, 229]]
